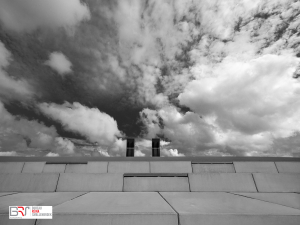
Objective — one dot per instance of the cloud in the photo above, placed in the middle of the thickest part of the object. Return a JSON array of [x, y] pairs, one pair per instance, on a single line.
[[12, 153], [248, 102], [64, 146], [27, 15], [96, 126], [187, 132], [209, 77], [60, 63], [171, 153], [138, 153], [20, 135], [11, 88], [51, 154]]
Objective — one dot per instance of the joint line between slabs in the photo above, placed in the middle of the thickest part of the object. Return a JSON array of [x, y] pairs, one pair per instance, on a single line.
[[254, 182], [178, 221]]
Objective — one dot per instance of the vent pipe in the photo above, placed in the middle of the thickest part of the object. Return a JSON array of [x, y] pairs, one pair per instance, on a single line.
[[130, 147], [155, 147]]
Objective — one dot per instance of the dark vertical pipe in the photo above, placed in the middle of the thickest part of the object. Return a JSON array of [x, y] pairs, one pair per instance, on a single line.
[[155, 147], [130, 147]]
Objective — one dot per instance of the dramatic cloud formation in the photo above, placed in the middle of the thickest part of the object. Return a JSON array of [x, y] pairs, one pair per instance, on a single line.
[[209, 77], [93, 124], [59, 62], [21, 135], [10, 87], [26, 15]]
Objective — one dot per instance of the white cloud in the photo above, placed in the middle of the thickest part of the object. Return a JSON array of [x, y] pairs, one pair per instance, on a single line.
[[187, 132], [59, 62], [9, 87], [138, 153], [96, 126], [21, 135], [12, 153], [64, 146], [52, 154], [171, 152], [248, 102], [27, 15]]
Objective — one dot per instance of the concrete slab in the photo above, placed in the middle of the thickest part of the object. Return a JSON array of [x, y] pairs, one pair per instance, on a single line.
[[76, 168], [156, 184], [282, 182], [286, 199], [128, 167], [97, 167], [36, 199], [288, 167], [171, 167], [90, 182], [207, 208], [28, 182], [239, 219], [4, 219], [213, 168], [7, 193], [255, 167], [54, 168], [11, 167], [119, 208], [33, 167], [238, 182]]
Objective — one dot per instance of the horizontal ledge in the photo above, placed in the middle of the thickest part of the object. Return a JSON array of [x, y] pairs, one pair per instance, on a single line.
[[230, 163], [204, 159], [74, 163], [155, 174]]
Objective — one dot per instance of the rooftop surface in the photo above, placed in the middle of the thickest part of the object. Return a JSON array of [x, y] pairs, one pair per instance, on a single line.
[[144, 191]]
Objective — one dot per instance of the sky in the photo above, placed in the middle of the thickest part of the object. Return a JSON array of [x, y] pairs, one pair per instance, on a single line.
[[207, 77]]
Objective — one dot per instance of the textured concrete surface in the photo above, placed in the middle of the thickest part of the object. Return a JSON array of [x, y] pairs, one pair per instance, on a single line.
[[239, 219], [33, 167], [114, 199], [238, 182], [114, 209], [90, 182], [171, 167], [4, 220], [75, 168], [282, 182], [156, 184], [11, 167], [28, 182], [128, 167], [223, 208], [255, 167], [288, 167], [97, 167], [36, 199], [286, 199], [54, 168], [213, 168], [6, 193]]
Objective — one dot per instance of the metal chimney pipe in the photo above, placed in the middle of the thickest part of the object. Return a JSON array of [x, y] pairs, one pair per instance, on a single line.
[[155, 147], [130, 147]]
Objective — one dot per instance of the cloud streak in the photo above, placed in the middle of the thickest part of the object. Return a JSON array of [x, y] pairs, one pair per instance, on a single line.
[[27, 15]]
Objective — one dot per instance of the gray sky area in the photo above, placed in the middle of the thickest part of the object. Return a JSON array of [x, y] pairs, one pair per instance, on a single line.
[[208, 77]]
